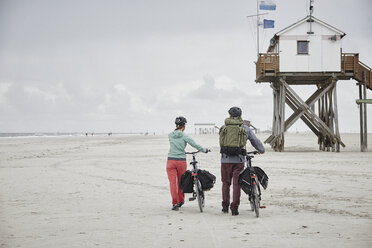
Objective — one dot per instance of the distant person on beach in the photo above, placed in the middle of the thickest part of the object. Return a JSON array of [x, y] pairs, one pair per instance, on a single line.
[[176, 163], [233, 156], [247, 123]]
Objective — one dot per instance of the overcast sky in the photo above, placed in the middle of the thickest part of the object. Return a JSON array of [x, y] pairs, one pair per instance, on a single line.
[[120, 66]]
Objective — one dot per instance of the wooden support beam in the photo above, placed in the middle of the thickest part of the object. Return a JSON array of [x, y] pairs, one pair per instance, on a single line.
[[310, 102], [336, 117], [365, 111], [368, 101], [276, 139], [282, 117], [269, 140], [325, 126], [303, 118], [312, 116], [330, 119], [363, 114]]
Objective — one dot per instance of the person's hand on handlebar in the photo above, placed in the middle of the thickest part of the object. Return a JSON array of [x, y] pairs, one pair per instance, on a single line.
[[207, 150]]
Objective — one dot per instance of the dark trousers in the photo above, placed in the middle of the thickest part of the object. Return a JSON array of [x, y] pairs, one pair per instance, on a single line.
[[230, 173]]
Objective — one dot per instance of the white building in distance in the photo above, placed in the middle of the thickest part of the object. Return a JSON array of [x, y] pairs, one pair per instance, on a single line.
[[205, 128]]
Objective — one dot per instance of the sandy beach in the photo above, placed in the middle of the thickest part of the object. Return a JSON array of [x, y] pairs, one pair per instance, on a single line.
[[112, 191]]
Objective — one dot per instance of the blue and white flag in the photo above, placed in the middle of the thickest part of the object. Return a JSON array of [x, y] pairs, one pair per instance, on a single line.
[[268, 23], [267, 5]]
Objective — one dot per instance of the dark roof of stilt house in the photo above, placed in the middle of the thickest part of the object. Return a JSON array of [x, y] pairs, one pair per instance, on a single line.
[[275, 39]]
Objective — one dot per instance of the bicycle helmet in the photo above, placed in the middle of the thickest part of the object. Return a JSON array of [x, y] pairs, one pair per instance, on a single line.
[[235, 111], [180, 121]]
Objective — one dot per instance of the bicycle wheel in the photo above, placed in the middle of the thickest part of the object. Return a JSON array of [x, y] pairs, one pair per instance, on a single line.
[[251, 201], [256, 200], [199, 194]]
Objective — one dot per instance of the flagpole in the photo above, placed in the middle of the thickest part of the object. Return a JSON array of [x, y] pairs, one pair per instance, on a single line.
[[258, 25], [258, 33]]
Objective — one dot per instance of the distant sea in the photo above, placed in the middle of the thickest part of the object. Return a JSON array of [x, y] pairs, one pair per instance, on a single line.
[[58, 134]]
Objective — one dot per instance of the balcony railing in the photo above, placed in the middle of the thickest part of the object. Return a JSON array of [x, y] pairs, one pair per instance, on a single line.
[[267, 67], [267, 63]]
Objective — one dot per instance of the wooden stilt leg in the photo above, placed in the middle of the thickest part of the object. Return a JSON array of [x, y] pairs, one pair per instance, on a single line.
[[324, 125], [363, 114], [336, 117]]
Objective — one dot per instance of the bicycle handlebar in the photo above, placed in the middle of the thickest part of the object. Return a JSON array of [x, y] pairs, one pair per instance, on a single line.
[[193, 153], [252, 152]]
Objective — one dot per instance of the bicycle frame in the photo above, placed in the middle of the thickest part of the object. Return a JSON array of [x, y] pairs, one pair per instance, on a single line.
[[255, 194], [198, 191], [254, 179], [194, 164]]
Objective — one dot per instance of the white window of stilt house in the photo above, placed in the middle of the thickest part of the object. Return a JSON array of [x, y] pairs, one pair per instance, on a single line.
[[302, 47]]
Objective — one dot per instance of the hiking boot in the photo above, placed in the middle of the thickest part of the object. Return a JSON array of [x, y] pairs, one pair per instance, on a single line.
[[180, 204], [175, 207], [225, 210], [234, 212]]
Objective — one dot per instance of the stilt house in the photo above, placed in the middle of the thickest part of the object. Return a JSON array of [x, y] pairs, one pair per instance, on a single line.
[[309, 52]]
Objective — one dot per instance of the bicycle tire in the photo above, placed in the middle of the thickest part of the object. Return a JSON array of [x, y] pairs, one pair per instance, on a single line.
[[250, 200], [199, 195], [256, 200]]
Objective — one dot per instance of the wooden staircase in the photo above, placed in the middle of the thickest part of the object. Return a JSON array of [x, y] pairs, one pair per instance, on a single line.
[[360, 71], [363, 74]]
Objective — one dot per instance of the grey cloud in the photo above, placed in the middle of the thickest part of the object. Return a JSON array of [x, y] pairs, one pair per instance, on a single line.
[[64, 59]]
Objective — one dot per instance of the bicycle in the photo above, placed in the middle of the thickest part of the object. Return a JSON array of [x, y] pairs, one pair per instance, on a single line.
[[254, 197], [198, 192]]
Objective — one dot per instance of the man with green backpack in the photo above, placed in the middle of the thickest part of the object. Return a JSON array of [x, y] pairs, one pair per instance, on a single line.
[[233, 139]]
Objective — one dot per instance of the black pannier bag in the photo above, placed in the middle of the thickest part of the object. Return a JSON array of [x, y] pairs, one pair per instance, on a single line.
[[245, 181], [186, 182], [206, 179], [262, 177]]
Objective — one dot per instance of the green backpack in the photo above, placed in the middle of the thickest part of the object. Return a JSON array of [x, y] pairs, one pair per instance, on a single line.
[[233, 137]]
